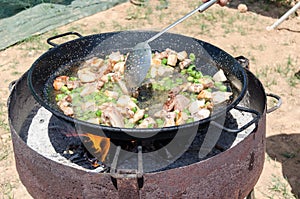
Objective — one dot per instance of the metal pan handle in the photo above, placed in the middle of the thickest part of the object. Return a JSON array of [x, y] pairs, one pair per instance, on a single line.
[[254, 120], [49, 40], [277, 105]]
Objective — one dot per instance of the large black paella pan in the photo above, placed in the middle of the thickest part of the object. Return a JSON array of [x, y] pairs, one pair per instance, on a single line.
[[209, 60]]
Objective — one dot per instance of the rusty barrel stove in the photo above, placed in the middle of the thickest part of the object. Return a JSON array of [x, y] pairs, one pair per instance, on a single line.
[[232, 173]]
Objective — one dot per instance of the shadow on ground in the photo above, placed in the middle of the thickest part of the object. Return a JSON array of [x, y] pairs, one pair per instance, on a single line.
[[9, 8], [286, 149], [269, 8]]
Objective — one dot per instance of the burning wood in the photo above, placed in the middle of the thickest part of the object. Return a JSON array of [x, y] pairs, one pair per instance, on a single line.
[[100, 144]]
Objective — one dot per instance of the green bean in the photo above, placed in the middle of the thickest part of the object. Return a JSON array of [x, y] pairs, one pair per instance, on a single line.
[[223, 88], [65, 89], [164, 61], [192, 57], [98, 113], [60, 96], [134, 109], [190, 79], [159, 122]]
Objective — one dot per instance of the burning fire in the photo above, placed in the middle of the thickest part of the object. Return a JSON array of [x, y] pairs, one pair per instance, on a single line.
[[100, 144]]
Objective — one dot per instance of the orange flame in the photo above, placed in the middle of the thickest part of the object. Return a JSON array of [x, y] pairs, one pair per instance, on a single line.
[[100, 144]]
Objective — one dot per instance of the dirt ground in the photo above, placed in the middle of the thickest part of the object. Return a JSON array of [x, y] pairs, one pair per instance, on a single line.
[[274, 58]]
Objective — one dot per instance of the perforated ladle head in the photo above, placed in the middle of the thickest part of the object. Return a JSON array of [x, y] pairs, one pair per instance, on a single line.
[[139, 59]]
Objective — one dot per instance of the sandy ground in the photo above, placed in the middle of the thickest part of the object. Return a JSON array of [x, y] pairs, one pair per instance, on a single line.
[[274, 58]]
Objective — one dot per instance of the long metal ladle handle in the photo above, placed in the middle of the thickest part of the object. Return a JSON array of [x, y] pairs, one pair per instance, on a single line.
[[201, 8]]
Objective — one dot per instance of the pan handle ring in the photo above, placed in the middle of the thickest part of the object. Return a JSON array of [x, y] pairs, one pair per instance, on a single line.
[[49, 40], [257, 116], [277, 105]]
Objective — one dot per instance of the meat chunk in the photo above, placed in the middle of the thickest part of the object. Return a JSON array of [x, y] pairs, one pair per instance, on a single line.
[[204, 94], [94, 63], [196, 88], [138, 115], [147, 122], [201, 114], [172, 59], [159, 70], [88, 89], [207, 82], [170, 119], [119, 67], [111, 94], [220, 97], [196, 105], [181, 117], [65, 105], [169, 104], [182, 55], [185, 63], [111, 115], [86, 76], [126, 102], [115, 57], [219, 76], [60, 82], [181, 102]]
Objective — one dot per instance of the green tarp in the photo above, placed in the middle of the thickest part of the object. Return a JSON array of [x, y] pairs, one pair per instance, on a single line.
[[46, 16]]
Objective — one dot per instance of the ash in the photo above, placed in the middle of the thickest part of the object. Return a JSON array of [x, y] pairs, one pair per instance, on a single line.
[[50, 140], [37, 137]]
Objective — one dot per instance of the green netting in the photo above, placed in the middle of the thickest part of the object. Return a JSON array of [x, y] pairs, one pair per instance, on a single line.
[[37, 17]]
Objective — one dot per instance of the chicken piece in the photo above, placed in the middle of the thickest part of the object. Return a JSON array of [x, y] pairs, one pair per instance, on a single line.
[[94, 63], [105, 69], [94, 120], [65, 105], [160, 55], [160, 114], [86, 76], [99, 84], [147, 122], [172, 59], [138, 115], [181, 117], [114, 77], [111, 94], [73, 84], [126, 102], [123, 87], [201, 114], [184, 63], [182, 55], [219, 76], [126, 112], [174, 91], [158, 70], [155, 61], [119, 67], [204, 94], [196, 88], [111, 115], [169, 104], [59, 82], [207, 82], [89, 88], [196, 105], [220, 97], [169, 119], [89, 106], [115, 57], [181, 102]]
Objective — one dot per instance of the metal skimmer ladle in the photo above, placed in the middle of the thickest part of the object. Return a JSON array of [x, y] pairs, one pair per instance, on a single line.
[[139, 59]]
